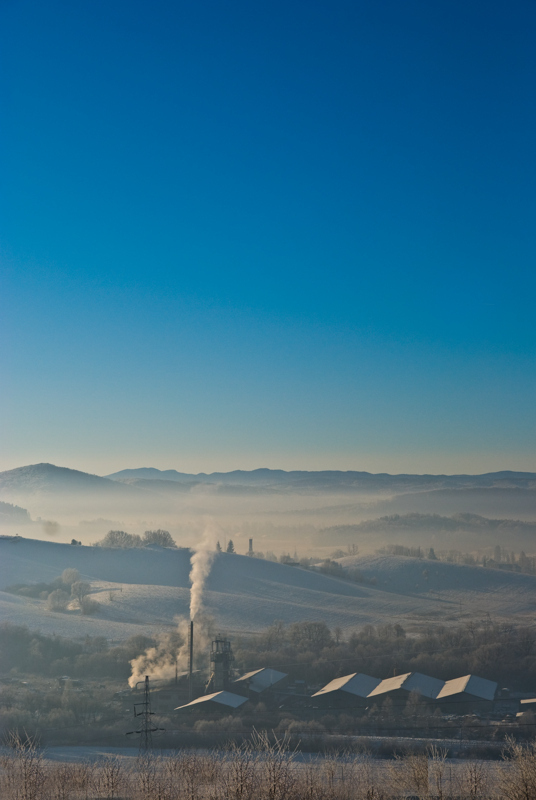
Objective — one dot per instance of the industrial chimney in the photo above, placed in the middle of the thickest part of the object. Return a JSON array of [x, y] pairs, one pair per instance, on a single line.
[[190, 660]]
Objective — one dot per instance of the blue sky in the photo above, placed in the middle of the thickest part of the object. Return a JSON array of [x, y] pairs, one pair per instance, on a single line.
[[285, 234]]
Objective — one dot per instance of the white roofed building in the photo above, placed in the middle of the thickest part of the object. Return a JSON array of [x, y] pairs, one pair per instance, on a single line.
[[218, 701], [468, 691], [260, 680], [403, 685], [350, 690]]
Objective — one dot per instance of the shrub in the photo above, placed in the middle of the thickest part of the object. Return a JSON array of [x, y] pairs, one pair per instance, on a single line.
[[70, 576], [88, 606], [58, 600]]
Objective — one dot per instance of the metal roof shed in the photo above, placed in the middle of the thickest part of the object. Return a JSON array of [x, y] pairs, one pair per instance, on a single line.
[[470, 686], [217, 700], [260, 679], [409, 682], [357, 684]]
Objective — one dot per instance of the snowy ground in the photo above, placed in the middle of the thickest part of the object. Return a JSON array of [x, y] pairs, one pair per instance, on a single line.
[[145, 591]]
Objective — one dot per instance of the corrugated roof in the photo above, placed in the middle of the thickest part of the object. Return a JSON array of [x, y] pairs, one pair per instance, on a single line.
[[469, 684], [357, 684], [410, 682], [261, 679], [221, 698], [389, 684]]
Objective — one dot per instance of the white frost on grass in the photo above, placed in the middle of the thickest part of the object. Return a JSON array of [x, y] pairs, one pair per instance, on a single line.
[[144, 591]]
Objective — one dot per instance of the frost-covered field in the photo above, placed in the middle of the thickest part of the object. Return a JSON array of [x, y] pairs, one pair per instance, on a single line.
[[146, 590]]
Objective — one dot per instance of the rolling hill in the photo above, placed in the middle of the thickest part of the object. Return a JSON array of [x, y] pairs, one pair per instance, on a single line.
[[49, 479], [146, 590]]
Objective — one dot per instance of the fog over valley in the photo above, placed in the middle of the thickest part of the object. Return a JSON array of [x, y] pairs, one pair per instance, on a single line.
[[310, 512]]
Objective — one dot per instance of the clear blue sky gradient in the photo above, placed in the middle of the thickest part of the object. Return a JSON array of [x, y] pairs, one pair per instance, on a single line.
[[285, 234]]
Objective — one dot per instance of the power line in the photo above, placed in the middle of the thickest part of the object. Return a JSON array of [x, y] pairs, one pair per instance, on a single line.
[[147, 729]]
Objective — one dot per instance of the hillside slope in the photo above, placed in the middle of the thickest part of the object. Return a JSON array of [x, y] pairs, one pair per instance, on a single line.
[[145, 590], [47, 478]]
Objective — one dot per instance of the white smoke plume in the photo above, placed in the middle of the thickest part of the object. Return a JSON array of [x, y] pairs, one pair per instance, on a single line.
[[162, 662], [156, 662], [201, 563]]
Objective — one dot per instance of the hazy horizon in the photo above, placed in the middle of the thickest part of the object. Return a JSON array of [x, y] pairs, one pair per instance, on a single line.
[[397, 467]]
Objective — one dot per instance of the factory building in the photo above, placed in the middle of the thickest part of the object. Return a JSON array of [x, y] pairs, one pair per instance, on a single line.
[[218, 701], [349, 691], [401, 686], [461, 695], [260, 682], [356, 691], [470, 691]]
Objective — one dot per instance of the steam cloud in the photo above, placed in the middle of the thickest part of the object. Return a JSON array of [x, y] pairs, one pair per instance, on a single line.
[[201, 562], [160, 662]]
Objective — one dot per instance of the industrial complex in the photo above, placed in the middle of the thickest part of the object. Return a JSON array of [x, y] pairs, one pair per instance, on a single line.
[[226, 692]]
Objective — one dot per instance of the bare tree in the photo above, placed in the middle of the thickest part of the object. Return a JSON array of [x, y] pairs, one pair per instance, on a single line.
[[57, 600], [110, 778], [120, 539], [160, 537], [23, 771], [518, 777], [79, 590]]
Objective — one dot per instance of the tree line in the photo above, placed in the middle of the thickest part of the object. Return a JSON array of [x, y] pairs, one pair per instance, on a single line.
[[308, 650]]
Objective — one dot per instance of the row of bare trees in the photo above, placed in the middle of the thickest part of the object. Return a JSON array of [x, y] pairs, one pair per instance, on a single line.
[[265, 769]]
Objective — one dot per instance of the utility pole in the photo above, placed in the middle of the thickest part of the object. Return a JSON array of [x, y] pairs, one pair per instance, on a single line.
[[146, 729], [146, 738]]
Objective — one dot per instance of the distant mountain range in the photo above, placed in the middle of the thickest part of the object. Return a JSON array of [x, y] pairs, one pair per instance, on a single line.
[[331, 480], [49, 490], [49, 479]]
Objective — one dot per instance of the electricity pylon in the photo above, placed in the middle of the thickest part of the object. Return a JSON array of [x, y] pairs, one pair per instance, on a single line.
[[146, 729]]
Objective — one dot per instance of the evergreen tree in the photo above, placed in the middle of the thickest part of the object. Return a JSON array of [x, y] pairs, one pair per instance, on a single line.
[[230, 546]]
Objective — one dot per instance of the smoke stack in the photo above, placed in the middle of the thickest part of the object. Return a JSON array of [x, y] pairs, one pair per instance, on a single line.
[[190, 659], [250, 551]]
